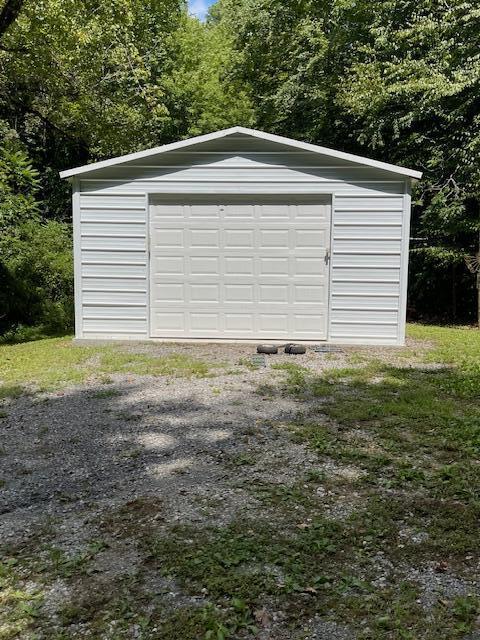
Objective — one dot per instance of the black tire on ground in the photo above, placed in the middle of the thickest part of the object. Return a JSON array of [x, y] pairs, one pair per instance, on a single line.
[[297, 350], [288, 347], [269, 349]]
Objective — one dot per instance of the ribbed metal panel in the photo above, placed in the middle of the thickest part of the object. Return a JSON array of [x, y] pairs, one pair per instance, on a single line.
[[237, 170], [113, 327], [357, 332], [367, 222], [301, 184], [366, 265], [105, 243], [115, 297], [113, 284], [126, 202], [120, 216], [113, 262], [365, 302]]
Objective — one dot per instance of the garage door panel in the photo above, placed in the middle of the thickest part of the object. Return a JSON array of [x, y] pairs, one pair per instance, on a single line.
[[206, 210], [240, 269], [204, 265], [239, 211], [310, 238], [309, 293], [204, 293], [273, 322], [274, 239], [309, 323], [310, 266], [170, 238], [239, 239], [166, 265], [271, 293], [171, 321], [271, 266], [205, 322], [242, 323], [274, 211], [309, 211], [239, 293], [163, 292], [203, 238], [166, 211], [239, 265]]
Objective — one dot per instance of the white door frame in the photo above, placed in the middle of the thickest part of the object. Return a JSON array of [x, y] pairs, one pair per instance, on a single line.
[[148, 201]]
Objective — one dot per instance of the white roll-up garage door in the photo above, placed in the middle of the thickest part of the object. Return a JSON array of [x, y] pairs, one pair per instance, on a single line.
[[239, 267]]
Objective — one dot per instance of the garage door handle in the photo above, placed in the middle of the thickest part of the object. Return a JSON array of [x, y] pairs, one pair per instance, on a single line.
[[327, 256]]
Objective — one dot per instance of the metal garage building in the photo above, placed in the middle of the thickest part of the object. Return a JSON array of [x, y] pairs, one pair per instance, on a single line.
[[241, 235]]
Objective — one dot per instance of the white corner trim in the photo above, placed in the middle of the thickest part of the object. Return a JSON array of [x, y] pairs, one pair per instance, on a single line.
[[405, 256], [296, 144], [148, 249], [77, 258], [329, 265]]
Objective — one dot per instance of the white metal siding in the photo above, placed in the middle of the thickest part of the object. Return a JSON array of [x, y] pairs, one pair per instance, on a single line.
[[113, 263], [366, 265], [369, 221]]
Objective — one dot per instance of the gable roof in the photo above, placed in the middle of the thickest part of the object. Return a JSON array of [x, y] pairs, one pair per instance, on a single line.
[[183, 144]]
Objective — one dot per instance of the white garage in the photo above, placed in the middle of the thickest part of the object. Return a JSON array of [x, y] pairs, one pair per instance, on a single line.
[[241, 235]]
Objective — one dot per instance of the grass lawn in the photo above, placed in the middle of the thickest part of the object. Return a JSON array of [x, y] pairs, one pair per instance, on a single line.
[[54, 363], [378, 537]]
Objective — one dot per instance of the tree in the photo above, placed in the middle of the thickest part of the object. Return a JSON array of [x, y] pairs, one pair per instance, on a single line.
[[81, 80], [9, 14], [203, 97], [397, 80], [36, 266], [414, 96], [19, 183]]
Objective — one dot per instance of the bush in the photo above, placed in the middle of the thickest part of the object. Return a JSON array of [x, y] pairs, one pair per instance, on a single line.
[[36, 279], [441, 289]]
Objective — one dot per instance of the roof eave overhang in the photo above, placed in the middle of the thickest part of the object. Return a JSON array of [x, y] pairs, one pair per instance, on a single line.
[[184, 144]]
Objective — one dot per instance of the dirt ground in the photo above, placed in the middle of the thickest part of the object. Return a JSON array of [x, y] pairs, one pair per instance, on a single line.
[[90, 470]]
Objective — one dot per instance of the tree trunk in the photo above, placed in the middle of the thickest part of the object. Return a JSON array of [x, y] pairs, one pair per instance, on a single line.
[[9, 14]]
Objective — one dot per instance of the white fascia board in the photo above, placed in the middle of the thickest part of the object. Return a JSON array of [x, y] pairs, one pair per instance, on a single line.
[[139, 155], [339, 155], [182, 144]]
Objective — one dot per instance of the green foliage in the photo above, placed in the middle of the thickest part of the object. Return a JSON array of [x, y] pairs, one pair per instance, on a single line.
[[205, 97], [97, 74], [398, 81], [81, 84], [37, 273], [36, 270], [19, 182]]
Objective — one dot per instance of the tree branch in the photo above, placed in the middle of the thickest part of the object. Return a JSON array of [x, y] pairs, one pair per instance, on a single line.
[[9, 14]]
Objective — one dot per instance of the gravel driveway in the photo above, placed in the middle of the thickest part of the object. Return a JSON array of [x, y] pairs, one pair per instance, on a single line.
[[100, 445], [185, 447], [91, 474]]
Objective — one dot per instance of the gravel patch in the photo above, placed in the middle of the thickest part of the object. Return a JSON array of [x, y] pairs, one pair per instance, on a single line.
[[98, 445], [103, 461], [441, 585]]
